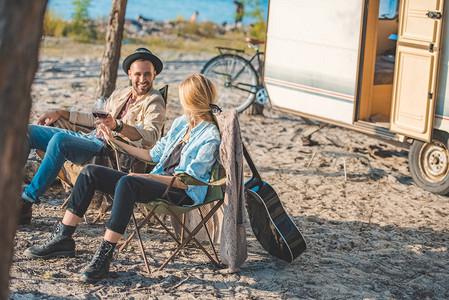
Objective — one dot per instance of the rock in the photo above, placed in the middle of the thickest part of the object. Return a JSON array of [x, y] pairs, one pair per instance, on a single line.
[[76, 85], [52, 70]]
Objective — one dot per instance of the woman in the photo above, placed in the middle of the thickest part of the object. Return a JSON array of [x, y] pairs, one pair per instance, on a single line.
[[189, 147]]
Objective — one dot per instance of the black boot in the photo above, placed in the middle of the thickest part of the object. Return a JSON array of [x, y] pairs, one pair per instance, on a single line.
[[99, 266], [60, 244]]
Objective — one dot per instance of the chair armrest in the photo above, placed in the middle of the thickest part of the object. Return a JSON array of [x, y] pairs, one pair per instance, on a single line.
[[189, 180], [122, 150]]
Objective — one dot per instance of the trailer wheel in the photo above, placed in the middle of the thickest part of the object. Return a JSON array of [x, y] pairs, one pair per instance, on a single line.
[[429, 164]]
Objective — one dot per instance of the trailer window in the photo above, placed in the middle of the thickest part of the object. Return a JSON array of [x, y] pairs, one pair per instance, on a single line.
[[388, 9]]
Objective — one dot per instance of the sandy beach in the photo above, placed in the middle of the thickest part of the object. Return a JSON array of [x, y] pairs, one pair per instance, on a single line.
[[369, 237]]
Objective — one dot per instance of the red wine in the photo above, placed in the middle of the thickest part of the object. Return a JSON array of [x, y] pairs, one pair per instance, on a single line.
[[100, 114]]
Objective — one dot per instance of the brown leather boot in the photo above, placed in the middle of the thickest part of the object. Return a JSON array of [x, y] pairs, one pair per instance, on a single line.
[[26, 212]]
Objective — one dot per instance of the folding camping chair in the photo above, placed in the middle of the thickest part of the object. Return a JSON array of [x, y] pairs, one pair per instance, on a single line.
[[163, 206]]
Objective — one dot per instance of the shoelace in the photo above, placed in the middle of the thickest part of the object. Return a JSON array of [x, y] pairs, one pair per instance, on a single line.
[[101, 255], [54, 233]]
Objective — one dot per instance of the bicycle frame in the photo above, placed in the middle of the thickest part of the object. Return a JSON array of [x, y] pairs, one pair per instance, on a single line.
[[248, 62]]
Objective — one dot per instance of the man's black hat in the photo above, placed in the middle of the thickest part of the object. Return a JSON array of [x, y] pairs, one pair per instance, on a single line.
[[145, 54]]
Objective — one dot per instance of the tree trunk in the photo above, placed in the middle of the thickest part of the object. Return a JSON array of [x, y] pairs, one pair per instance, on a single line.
[[20, 33], [111, 55]]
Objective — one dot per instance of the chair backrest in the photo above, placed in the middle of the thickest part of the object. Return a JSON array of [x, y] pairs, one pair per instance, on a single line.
[[164, 93], [215, 192]]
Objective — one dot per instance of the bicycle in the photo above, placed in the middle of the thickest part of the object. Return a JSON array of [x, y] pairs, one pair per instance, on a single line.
[[237, 82]]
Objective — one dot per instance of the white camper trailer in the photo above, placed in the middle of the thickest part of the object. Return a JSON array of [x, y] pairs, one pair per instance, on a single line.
[[375, 66]]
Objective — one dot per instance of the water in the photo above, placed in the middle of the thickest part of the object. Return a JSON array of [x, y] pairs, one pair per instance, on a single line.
[[217, 11]]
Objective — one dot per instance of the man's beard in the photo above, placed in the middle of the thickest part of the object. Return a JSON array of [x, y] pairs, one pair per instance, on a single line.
[[139, 91]]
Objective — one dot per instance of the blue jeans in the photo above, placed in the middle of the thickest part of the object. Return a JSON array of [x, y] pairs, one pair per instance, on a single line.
[[59, 145]]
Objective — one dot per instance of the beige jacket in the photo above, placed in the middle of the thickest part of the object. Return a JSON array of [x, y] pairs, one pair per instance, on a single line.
[[147, 115]]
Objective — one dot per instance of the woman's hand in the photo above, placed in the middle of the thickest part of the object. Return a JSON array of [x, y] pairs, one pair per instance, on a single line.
[[106, 132]]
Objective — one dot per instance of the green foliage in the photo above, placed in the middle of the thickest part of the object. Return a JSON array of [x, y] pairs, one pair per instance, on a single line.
[[252, 9], [185, 28], [81, 28], [53, 24], [81, 13], [258, 30], [80, 34], [170, 44], [207, 29]]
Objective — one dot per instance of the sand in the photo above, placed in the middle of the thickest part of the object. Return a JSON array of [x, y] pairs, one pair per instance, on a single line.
[[369, 237]]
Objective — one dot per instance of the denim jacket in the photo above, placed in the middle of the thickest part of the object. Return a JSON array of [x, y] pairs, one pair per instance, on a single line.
[[197, 156]]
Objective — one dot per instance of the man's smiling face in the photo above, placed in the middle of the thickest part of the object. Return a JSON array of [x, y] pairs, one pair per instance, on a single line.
[[142, 75]]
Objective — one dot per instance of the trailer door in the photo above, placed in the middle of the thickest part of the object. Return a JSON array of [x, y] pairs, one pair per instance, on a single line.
[[311, 57], [416, 65]]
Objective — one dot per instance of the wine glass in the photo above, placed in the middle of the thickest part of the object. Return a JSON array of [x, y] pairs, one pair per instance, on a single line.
[[99, 111]]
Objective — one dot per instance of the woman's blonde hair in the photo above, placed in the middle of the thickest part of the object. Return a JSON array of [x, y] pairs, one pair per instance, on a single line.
[[197, 93]]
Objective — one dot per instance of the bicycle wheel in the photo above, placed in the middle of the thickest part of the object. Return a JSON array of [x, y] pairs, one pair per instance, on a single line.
[[235, 80]]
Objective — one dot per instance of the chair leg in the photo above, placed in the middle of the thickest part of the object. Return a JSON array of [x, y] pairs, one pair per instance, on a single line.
[[63, 205], [167, 229], [208, 235], [141, 245], [191, 235], [182, 229], [144, 221]]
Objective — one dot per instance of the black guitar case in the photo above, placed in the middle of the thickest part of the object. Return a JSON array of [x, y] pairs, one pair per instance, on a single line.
[[271, 225]]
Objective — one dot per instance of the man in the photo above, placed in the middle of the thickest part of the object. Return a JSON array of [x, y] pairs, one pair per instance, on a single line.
[[238, 15], [136, 113], [194, 17]]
